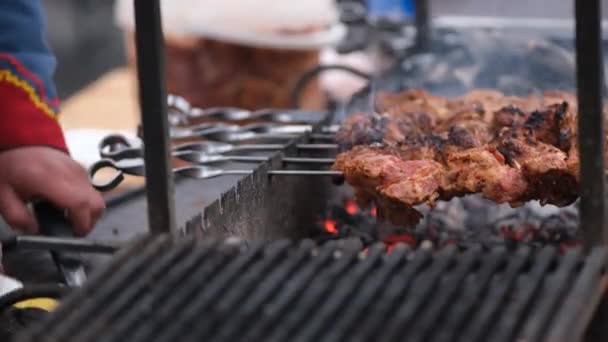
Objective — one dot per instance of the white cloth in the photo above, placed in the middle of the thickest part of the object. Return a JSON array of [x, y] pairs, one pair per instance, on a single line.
[[8, 284], [84, 143], [307, 24]]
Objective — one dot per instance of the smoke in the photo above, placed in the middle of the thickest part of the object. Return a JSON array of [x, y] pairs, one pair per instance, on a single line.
[[463, 60]]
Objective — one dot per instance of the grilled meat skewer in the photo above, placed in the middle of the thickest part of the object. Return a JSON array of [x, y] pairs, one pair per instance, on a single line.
[[423, 148]]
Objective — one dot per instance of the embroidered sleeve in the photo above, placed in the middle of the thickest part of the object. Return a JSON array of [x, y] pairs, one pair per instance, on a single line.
[[28, 102]]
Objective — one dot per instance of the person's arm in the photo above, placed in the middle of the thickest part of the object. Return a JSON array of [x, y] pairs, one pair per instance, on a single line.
[[28, 103], [34, 159]]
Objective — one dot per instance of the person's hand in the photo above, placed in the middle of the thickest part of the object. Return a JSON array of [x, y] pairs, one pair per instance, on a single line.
[[31, 173]]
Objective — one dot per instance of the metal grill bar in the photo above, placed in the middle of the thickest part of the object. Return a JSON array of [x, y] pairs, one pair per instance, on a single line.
[[495, 297], [369, 293], [591, 281], [452, 285], [260, 294], [317, 292], [240, 288], [513, 314], [476, 290], [398, 287], [556, 288], [278, 306], [168, 290], [339, 293], [173, 278], [176, 302], [422, 288], [74, 320], [590, 84], [119, 305], [213, 289]]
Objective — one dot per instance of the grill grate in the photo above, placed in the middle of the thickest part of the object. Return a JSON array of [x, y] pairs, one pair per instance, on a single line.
[[167, 290]]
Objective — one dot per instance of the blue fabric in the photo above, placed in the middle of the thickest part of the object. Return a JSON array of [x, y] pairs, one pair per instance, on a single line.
[[22, 36], [391, 7]]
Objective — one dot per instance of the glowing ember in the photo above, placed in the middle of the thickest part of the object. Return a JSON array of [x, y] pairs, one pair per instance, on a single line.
[[351, 207], [331, 226], [397, 238], [567, 245], [392, 240], [373, 211], [447, 225]]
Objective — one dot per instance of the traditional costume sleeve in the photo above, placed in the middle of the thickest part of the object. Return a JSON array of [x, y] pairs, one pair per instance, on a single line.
[[28, 100]]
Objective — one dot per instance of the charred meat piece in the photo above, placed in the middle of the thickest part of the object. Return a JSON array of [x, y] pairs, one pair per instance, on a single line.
[[429, 148], [366, 129], [410, 101], [482, 170], [509, 116], [544, 168], [380, 175], [362, 129]]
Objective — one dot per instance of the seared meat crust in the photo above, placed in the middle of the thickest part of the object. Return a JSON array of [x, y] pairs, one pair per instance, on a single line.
[[419, 148]]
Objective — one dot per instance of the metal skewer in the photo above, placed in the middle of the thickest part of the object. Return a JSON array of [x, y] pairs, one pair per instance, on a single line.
[[192, 171], [213, 147], [118, 147], [60, 244], [203, 172], [198, 157], [182, 113], [231, 133]]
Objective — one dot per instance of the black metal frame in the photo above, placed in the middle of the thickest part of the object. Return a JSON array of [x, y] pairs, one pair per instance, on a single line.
[[153, 106], [423, 24], [590, 85]]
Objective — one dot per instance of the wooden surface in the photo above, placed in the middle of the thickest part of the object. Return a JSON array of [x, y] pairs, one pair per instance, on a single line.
[[108, 103]]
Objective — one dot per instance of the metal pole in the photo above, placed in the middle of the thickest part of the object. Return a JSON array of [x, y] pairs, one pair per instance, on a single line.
[[153, 106], [590, 83], [423, 24]]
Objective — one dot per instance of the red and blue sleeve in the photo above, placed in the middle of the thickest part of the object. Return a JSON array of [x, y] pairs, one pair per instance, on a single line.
[[28, 100]]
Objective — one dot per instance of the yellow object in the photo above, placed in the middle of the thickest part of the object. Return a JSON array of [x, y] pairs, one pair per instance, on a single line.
[[46, 304]]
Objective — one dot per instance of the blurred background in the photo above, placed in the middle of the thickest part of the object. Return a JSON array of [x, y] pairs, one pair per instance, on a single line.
[[88, 43]]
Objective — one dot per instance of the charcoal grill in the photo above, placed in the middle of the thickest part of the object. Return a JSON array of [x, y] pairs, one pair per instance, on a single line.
[[288, 291], [267, 288]]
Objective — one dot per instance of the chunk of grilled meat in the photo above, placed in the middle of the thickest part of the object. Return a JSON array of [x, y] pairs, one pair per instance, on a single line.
[[430, 148], [366, 129]]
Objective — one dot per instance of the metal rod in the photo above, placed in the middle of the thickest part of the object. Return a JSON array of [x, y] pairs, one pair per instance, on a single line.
[[305, 173], [423, 24], [590, 79], [204, 172], [153, 106], [62, 244], [317, 147], [202, 158], [300, 160]]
